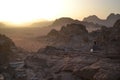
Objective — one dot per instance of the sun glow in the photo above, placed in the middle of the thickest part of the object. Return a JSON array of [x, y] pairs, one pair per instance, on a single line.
[[22, 11]]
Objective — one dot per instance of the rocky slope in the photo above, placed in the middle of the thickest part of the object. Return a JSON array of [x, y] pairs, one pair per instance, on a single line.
[[109, 21], [6, 46], [60, 63], [6, 53], [109, 39], [56, 64], [11, 58]]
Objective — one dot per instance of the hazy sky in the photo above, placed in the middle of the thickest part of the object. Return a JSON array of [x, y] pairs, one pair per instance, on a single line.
[[20, 11]]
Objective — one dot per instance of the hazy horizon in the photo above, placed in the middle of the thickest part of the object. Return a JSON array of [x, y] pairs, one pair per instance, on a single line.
[[18, 12]]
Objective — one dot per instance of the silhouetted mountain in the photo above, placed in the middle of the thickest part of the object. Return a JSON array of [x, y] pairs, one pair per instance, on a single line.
[[109, 21]]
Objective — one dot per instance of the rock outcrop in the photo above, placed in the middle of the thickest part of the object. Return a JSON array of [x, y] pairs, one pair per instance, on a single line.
[[6, 53], [11, 60], [69, 36], [6, 46]]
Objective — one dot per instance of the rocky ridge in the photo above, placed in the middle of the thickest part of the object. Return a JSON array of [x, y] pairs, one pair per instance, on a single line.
[[63, 63], [109, 21], [64, 21]]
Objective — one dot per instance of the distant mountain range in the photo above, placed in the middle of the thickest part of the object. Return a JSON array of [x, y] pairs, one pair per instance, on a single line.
[[109, 21], [58, 23]]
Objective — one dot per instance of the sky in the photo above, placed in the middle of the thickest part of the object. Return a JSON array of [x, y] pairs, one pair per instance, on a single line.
[[22, 11]]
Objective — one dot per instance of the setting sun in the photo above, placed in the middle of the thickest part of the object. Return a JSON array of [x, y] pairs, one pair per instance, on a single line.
[[24, 11], [20, 11]]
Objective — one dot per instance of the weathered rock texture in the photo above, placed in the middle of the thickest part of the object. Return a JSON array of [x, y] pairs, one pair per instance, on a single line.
[[63, 63]]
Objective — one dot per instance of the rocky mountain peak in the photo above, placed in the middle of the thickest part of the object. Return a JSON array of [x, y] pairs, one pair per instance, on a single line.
[[92, 18], [109, 21], [69, 29], [74, 29], [113, 16], [64, 21]]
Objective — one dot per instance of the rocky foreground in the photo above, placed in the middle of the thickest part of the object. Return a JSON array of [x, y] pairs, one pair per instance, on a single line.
[[11, 60], [73, 63], [67, 57], [57, 64]]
